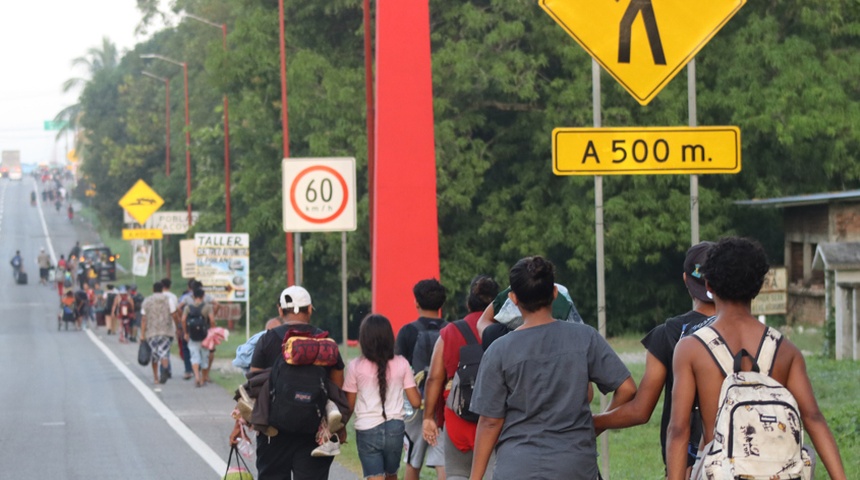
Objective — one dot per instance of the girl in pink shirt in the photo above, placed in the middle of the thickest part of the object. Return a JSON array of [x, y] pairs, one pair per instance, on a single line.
[[374, 385]]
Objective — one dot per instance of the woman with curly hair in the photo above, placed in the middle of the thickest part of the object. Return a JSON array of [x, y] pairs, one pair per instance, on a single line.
[[374, 385]]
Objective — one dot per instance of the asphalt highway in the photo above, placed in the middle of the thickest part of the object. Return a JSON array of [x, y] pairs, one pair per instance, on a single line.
[[75, 404]]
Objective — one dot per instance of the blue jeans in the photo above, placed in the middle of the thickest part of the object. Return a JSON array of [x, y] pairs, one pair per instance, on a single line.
[[379, 448]]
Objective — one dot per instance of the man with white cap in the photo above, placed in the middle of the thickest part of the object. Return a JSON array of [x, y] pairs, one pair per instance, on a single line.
[[660, 344], [290, 452], [44, 262]]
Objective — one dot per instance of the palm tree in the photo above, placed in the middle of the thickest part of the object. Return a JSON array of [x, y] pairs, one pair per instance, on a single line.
[[95, 61]]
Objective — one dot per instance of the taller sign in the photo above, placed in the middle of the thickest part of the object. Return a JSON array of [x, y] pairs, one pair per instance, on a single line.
[[642, 43]]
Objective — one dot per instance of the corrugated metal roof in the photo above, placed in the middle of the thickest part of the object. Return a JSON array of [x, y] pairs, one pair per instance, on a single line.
[[837, 256], [800, 200]]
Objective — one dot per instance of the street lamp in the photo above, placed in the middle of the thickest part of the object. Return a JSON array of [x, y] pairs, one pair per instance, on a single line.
[[187, 126], [223, 28], [284, 127], [166, 116]]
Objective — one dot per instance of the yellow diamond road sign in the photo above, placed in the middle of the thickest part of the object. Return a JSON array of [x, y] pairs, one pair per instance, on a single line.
[[141, 201], [642, 43]]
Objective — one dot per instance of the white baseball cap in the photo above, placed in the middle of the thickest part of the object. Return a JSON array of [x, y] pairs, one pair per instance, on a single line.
[[294, 297]]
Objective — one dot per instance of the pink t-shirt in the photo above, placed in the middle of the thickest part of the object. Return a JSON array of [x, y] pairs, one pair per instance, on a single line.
[[361, 380]]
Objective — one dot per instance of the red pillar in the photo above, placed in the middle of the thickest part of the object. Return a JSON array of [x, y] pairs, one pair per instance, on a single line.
[[405, 223]]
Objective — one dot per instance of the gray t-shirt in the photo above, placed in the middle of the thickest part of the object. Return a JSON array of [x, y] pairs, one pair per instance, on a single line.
[[537, 380]]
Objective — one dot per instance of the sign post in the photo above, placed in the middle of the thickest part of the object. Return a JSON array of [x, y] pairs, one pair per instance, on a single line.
[[319, 196]]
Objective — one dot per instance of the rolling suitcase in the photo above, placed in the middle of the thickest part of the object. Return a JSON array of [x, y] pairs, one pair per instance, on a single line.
[[22, 278]]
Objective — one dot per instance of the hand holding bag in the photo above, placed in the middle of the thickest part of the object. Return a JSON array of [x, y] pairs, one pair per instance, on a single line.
[[144, 353], [240, 471]]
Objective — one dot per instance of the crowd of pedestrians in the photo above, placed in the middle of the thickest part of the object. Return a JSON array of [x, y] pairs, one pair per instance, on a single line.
[[505, 392]]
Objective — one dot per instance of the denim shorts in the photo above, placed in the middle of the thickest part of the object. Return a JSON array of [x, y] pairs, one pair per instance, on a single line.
[[380, 447]]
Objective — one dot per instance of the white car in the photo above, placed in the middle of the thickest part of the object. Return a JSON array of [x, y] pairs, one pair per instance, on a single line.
[[15, 175]]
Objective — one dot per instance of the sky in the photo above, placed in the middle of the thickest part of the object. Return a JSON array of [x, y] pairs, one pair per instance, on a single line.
[[38, 41]]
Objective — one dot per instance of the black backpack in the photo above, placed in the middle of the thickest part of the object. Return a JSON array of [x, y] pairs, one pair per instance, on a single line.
[[423, 351], [466, 375], [297, 395], [198, 325]]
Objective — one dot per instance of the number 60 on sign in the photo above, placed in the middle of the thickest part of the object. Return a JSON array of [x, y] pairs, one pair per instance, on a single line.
[[319, 194]]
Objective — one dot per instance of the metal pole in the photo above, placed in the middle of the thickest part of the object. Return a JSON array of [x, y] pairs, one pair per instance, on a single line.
[[598, 233], [344, 306], [371, 117], [284, 125], [227, 201], [298, 260], [187, 142], [694, 179], [167, 120]]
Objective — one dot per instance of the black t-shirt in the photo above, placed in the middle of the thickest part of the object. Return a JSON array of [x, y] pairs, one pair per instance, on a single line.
[[270, 347], [408, 335], [661, 342]]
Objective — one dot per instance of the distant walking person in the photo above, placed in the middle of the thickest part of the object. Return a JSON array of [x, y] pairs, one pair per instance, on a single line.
[[71, 213], [157, 328], [44, 262], [60, 276], [16, 263]]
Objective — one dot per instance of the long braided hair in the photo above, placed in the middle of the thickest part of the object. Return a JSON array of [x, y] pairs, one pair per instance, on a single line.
[[376, 339]]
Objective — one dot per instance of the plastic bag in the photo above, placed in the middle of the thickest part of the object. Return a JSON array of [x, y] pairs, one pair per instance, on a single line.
[[510, 315], [144, 353]]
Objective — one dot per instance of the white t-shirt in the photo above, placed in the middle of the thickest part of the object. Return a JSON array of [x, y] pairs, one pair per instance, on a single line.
[[172, 300], [361, 379]]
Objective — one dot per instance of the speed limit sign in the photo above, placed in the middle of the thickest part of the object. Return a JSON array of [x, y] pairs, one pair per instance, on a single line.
[[319, 194]]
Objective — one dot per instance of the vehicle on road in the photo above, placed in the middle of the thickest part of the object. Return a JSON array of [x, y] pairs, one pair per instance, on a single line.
[[102, 259], [10, 164]]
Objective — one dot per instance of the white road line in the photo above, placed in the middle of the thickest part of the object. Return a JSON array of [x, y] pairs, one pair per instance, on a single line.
[[208, 455], [45, 227]]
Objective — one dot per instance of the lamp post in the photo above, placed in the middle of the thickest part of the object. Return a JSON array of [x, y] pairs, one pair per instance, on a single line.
[[227, 203], [284, 125], [166, 117], [187, 126]]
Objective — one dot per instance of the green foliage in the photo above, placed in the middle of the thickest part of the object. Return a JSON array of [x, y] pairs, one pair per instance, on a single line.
[[504, 75]]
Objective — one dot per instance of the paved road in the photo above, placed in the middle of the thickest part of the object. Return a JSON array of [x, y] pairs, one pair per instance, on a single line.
[[76, 403]]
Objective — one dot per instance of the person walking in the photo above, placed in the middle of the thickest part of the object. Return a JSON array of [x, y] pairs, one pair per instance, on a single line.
[[44, 263], [375, 385], [734, 272], [157, 328], [289, 453], [532, 388], [60, 276], [17, 264], [421, 335], [660, 346], [197, 319], [458, 435]]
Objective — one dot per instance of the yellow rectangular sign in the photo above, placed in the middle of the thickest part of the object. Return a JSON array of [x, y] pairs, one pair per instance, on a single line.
[[646, 150], [141, 234]]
